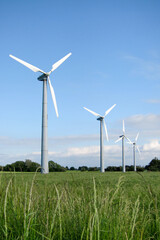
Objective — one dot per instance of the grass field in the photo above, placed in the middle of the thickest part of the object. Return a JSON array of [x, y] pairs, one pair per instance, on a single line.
[[80, 205]]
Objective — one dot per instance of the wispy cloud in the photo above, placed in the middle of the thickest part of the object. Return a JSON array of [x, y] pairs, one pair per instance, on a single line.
[[72, 139], [147, 124], [144, 121], [102, 75], [153, 101], [10, 144], [146, 68], [5, 140]]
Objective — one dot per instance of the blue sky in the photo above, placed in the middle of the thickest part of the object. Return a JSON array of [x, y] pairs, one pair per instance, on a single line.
[[115, 59]]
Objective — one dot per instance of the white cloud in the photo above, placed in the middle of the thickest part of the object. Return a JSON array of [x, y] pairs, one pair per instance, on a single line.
[[86, 151], [154, 145], [89, 155], [76, 156], [82, 151]]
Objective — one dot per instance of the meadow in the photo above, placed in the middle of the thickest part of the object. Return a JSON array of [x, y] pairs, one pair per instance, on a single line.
[[80, 205]]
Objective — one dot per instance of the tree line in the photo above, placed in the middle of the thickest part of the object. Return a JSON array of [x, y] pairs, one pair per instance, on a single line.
[[154, 165], [29, 166]]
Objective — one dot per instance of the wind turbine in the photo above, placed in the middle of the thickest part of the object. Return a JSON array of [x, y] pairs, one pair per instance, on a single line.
[[102, 122], [134, 150], [123, 137], [44, 77]]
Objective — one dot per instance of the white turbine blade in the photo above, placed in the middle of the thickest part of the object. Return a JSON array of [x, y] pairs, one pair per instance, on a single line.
[[123, 127], [57, 64], [109, 110], [105, 128], [138, 150], [137, 137], [118, 139], [53, 96], [128, 139], [33, 68], [94, 113]]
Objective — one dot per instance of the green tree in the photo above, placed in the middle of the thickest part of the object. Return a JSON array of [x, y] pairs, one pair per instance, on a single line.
[[31, 166], [83, 168], [93, 169], [28, 163], [18, 166], [54, 167], [154, 165], [72, 168]]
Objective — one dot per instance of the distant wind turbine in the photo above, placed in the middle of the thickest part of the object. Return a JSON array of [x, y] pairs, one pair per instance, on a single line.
[[102, 122], [44, 77], [134, 150], [123, 137]]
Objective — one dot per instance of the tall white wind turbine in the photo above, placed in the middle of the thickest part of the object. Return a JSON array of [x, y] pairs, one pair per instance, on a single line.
[[44, 77], [122, 137], [134, 144], [102, 122]]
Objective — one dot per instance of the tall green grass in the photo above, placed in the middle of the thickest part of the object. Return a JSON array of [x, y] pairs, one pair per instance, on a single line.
[[80, 205]]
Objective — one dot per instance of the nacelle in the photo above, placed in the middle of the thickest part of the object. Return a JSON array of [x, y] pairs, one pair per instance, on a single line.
[[43, 77], [100, 118]]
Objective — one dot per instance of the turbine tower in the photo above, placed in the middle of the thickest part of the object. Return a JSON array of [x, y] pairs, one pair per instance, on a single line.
[[134, 150], [44, 77], [123, 137], [102, 122]]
